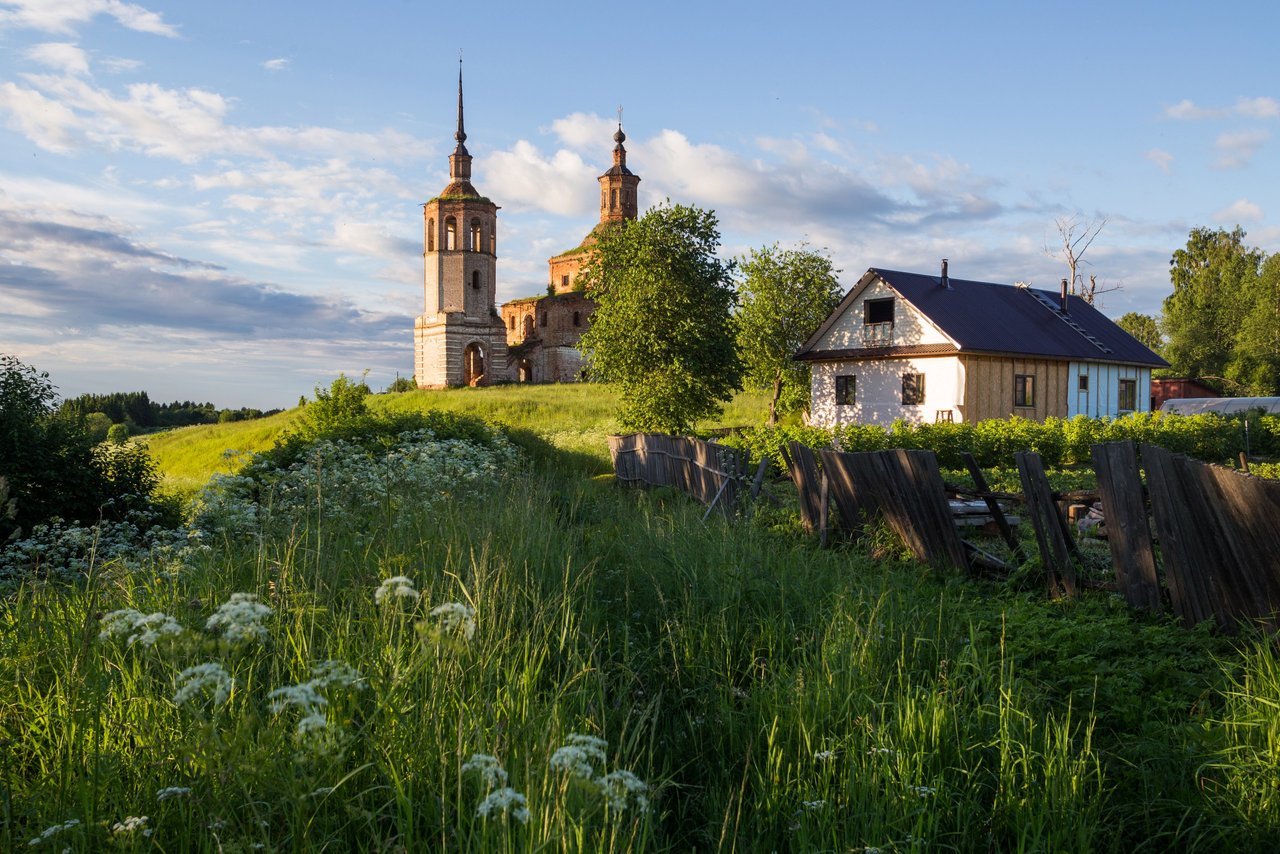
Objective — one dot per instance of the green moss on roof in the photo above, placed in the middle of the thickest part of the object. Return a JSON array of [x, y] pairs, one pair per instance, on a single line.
[[484, 199]]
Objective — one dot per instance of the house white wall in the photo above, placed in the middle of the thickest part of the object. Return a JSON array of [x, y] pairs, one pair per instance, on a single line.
[[909, 326], [1102, 397], [878, 397]]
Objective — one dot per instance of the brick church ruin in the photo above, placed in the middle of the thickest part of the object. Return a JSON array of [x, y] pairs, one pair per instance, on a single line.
[[461, 338]]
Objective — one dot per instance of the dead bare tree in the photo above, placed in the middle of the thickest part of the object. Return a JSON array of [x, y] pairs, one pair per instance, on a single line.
[[1077, 235]]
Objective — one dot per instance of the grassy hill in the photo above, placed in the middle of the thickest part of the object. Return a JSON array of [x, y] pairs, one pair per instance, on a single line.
[[573, 418]]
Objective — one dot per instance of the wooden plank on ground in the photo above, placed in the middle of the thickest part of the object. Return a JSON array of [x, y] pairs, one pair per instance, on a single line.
[[1060, 573], [1128, 531]]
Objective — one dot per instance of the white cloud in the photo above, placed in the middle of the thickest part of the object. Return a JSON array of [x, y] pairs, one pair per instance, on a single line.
[[1258, 108], [60, 56], [1187, 110], [63, 16], [1236, 149], [1242, 210], [585, 132], [559, 184], [119, 65], [1161, 158], [278, 64]]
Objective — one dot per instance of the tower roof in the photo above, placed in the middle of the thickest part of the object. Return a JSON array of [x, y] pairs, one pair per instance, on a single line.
[[460, 160]]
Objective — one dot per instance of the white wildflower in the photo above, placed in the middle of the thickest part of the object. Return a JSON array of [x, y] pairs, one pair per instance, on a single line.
[[824, 755], [50, 832], [338, 673], [132, 824], [320, 792], [393, 589], [578, 754], [303, 696], [923, 791], [311, 726], [504, 802], [813, 805], [623, 789], [196, 681], [883, 751], [489, 769], [173, 792], [455, 620], [240, 618], [141, 628]]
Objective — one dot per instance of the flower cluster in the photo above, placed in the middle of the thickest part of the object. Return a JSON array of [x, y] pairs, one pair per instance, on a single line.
[[453, 621], [501, 800], [240, 619], [141, 628], [313, 725], [173, 792], [196, 682], [579, 757], [395, 589], [132, 824], [50, 832], [488, 767]]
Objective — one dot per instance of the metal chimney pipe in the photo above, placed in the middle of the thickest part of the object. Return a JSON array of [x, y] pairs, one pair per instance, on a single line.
[[1063, 297], [946, 282]]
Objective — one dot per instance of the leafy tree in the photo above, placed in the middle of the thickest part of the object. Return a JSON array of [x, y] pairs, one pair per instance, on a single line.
[[1215, 279], [1256, 359], [784, 295], [118, 434], [336, 410], [402, 384], [1143, 327], [662, 331]]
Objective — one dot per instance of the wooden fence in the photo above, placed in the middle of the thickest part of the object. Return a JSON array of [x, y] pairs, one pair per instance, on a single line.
[[712, 474], [1217, 553]]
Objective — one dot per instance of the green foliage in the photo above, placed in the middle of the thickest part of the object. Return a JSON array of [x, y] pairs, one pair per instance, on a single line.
[[783, 297], [97, 425], [341, 409], [661, 332], [1060, 442], [118, 434], [402, 384], [1143, 327]]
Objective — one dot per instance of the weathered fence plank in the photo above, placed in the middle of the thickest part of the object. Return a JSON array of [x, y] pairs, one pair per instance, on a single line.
[[993, 506], [1128, 531], [1055, 554], [854, 501], [706, 472], [803, 467]]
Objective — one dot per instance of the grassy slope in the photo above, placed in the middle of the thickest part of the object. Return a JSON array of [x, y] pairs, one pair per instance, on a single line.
[[573, 418]]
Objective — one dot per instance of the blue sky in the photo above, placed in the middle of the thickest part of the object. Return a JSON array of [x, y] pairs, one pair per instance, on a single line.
[[219, 201]]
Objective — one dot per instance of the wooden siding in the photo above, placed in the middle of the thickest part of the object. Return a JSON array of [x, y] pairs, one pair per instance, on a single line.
[[988, 387]]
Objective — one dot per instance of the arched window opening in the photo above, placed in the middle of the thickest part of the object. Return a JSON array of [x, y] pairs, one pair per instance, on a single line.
[[431, 235], [475, 280], [475, 236], [603, 198], [542, 319], [493, 239], [511, 323], [577, 318], [450, 234], [613, 199], [528, 325]]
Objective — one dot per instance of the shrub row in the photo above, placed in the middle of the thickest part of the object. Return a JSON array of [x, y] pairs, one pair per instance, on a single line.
[[1058, 441]]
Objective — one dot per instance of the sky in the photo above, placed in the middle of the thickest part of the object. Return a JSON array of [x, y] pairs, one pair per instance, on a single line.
[[219, 201]]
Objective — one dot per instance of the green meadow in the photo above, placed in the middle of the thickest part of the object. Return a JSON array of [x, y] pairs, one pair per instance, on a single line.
[[471, 639]]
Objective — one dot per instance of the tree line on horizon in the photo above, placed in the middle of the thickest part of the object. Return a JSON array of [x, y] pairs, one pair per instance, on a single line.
[[139, 414]]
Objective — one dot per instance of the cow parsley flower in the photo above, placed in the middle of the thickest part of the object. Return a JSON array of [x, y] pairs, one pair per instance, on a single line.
[[623, 789], [240, 618], [810, 806], [824, 755], [173, 792], [132, 824], [303, 696], [50, 832], [504, 802], [489, 769], [312, 726], [578, 754], [454, 620], [141, 628], [338, 673], [923, 791], [194, 682], [395, 589]]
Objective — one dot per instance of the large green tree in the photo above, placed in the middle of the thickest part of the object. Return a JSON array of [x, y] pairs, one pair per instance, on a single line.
[[1143, 327], [784, 295], [662, 331], [1255, 363], [1215, 284]]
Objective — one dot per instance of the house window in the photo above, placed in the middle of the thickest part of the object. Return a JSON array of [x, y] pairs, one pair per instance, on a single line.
[[846, 390], [1128, 395], [912, 389], [1084, 382], [1024, 390], [878, 311]]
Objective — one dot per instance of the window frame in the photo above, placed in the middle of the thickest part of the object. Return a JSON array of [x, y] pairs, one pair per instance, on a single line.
[[846, 389], [1024, 391], [1131, 386], [913, 382], [878, 302]]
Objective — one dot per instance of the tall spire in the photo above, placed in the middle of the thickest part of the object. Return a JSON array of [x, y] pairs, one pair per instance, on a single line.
[[461, 135]]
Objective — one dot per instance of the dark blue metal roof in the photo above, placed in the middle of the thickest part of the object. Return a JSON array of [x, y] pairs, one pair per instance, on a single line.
[[984, 316]]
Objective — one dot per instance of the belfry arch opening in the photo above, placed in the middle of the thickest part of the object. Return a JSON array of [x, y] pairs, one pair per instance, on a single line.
[[431, 235], [475, 245], [450, 234]]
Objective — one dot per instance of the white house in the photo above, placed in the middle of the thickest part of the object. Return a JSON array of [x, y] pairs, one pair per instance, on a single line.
[[933, 348]]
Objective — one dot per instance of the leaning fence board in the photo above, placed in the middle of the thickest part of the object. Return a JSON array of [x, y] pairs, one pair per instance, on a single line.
[[855, 502], [1188, 549], [803, 467], [1055, 554], [1128, 531]]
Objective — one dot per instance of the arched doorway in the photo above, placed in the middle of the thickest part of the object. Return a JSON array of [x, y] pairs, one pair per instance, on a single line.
[[525, 372], [473, 364]]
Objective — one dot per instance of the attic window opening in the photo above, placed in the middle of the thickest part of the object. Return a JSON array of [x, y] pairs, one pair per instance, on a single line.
[[1024, 390], [878, 311]]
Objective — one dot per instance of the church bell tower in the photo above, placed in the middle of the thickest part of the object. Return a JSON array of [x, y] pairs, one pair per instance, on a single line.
[[459, 339]]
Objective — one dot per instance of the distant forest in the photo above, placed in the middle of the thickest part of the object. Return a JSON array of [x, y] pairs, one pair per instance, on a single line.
[[137, 411]]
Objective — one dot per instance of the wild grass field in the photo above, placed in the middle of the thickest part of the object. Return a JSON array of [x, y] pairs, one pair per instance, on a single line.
[[474, 644]]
